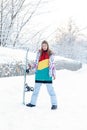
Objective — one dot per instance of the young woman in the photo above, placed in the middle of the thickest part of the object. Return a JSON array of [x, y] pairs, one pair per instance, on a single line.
[[45, 73]]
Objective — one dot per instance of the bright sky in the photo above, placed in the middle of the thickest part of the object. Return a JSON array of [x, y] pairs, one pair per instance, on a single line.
[[61, 11], [71, 8]]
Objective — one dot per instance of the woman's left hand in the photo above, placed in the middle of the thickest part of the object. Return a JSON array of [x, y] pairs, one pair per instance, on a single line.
[[54, 77]]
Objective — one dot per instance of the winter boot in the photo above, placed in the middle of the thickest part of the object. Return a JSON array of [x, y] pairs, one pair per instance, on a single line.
[[54, 107], [30, 105]]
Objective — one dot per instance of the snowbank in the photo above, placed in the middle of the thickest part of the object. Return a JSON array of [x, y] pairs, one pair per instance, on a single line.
[[12, 62]]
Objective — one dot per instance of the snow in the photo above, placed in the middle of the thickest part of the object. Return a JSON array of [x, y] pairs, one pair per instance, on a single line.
[[70, 88], [9, 55]]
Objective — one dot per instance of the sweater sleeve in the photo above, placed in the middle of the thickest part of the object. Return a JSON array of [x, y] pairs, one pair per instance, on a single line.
[[52, 69], [35, 64]]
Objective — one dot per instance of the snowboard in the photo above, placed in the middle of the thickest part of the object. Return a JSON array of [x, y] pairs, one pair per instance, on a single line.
[[26, 87]]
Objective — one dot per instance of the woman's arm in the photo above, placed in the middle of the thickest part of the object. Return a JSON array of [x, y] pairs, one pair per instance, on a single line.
[[52, 69]]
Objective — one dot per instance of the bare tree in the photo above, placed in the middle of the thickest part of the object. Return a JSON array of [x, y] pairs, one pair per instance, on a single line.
[[15, 18], [9, 17], [67, 33], [24, 22], [66, 39], [1, 19]]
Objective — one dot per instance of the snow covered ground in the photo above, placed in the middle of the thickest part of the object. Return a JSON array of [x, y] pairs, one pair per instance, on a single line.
[[71, 93], [71, 90]]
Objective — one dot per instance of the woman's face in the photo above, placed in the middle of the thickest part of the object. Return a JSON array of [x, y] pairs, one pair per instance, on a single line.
[[44, 46]]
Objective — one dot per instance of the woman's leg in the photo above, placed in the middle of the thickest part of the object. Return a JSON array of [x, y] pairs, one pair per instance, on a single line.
[[35, 93], [52, 94]]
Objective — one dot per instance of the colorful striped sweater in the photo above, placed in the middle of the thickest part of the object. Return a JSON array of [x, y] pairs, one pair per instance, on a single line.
[[45, 68]]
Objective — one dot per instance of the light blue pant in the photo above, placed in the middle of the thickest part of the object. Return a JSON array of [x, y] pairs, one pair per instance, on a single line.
[[50, 90]]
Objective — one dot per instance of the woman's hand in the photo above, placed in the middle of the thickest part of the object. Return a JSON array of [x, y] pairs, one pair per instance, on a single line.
[[54, 77], [29, 66]]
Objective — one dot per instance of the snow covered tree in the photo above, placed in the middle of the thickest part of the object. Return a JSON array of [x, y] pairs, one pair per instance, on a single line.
[[8, 15], [71, 42], [1, 19], [16, 21], [66, 39]]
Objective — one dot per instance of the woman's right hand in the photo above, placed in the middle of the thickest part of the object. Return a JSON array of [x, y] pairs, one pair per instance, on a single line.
[[29, 66], [54, 77]]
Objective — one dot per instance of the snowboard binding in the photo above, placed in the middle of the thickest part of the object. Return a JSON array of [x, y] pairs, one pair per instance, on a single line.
[[28, 88]]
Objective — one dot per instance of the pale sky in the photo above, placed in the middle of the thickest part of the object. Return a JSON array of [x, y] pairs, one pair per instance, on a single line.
[[76, 9], [60, 11]]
